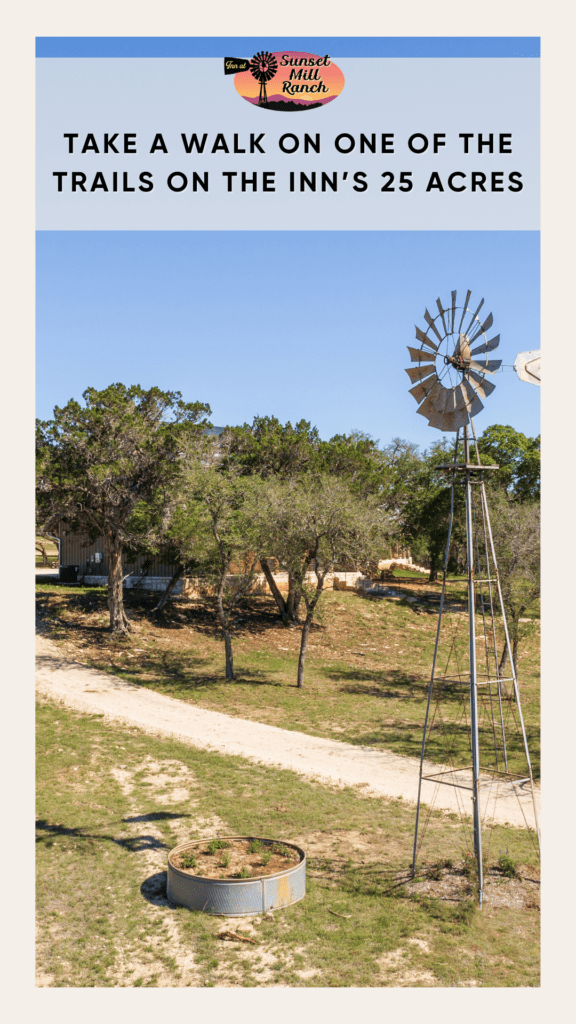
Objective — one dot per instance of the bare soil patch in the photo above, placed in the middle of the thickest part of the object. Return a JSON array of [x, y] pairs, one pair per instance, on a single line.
[[235, 858]]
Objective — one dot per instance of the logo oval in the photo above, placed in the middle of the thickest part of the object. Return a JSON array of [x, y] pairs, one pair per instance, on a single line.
[[289, 81]]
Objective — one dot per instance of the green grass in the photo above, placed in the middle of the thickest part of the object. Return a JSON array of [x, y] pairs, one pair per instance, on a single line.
[[112, 802], [367, 669]]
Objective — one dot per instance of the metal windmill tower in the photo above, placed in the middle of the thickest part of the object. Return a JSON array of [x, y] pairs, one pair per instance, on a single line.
[[449, 382], [263, 67]]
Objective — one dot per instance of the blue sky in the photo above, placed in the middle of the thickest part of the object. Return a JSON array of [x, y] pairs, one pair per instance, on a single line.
[[294, 324], [350, 46]]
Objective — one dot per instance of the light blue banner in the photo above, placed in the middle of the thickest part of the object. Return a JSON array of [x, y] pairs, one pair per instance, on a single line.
[[488, 106]]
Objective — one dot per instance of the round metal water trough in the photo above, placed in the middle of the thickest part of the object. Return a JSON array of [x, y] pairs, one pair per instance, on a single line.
[[236, 897]]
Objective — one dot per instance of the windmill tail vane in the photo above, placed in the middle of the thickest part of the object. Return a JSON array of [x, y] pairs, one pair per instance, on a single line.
[[449, 381]]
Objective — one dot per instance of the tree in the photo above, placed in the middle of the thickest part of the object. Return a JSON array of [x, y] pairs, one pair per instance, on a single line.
[[43, 539], [517, 456], [101, 463], [271, 450], [516, 534], [179, 536], [426, 511], [284, 452], [317, 522], [230, 542]]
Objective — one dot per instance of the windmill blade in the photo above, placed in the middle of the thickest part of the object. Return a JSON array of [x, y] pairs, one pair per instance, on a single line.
[[460, 399], [485, 327], [489, 367], [417, 373], [459, 408], [464, 310], [443, 420], [442, 311], [488, 346], [474, 317], [445, 401], [453, 311], [460, 418], [428, 407], [450, 418], [425, 339], [421, 390], [431, 324], [418, 356], [482, 387], [440, 412], [474, 404]]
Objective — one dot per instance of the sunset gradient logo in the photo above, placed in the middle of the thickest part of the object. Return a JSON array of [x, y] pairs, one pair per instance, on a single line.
[[288, 81]]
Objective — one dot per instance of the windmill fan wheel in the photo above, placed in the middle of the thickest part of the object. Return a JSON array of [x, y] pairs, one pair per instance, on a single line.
[[263, 66], [453, 360]]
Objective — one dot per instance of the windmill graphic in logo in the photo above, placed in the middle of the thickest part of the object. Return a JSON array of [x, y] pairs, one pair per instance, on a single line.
[[263, 67]]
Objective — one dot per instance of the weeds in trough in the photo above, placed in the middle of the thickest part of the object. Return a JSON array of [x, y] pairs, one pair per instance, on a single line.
[[282, 851], [217, 844]]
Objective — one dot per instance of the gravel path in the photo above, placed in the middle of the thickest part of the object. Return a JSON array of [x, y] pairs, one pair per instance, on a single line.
[[378, 772]]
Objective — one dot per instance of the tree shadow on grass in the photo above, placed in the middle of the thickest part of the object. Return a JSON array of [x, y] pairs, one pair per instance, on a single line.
[[256, 615], [375, 879], [392, 684], [175, 673], [134, 844], [389, 685]]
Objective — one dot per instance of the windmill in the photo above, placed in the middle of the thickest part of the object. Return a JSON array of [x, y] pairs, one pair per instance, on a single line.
[[263, 67], [449, 383]]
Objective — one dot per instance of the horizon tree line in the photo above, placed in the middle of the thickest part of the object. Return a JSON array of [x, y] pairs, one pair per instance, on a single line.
[[139, 468]]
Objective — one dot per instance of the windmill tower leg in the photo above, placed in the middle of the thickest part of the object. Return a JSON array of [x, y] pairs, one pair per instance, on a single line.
[[434, 660], [473, 672], [511, 662]]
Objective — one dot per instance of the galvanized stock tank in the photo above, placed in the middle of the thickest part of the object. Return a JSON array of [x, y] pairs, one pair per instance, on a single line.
[[236, 897]]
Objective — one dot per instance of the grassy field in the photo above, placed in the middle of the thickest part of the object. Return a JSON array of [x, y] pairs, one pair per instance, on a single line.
[[113, 801], [367, 669]]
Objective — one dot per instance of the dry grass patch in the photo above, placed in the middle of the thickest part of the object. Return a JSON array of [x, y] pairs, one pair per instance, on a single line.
[[367, 669]]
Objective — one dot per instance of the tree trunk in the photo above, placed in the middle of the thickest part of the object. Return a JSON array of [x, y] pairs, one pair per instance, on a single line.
[[513, 627], [223, 619], [293, 602], [229, 655], [303, 646], [281, 603], [118, 619], [40, 547], [166, 594], [504, 658]]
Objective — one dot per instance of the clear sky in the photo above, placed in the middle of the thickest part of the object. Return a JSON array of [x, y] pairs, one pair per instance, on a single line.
[[294, 324]]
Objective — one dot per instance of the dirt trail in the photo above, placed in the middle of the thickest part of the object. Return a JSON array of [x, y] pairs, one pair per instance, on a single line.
[[378, 772]]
